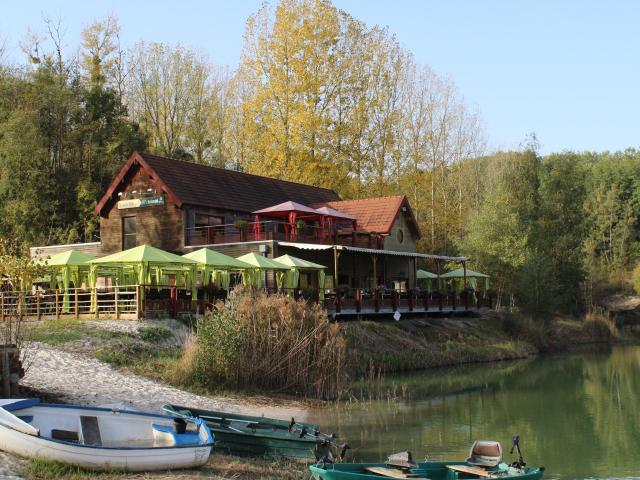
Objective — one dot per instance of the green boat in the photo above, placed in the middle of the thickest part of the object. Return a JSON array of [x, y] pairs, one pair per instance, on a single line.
[[485, 461], [259, 436]]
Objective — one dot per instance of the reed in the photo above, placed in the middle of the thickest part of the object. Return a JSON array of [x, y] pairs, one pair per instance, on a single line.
[[271, 343]]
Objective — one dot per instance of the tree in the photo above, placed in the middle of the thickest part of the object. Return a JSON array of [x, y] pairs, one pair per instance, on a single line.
[[63, 137], [177, 96], [559, 232], [499, 235]]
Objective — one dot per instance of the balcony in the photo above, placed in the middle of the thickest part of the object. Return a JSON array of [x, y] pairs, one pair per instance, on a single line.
[[283, 231]]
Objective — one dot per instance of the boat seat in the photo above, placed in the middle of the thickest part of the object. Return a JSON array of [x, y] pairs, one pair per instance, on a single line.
[[166, 435], [64, 435], [90, 430], [485, 453], [26, 418]]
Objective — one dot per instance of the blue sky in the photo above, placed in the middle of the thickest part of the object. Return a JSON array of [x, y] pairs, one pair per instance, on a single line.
[[568, 70]]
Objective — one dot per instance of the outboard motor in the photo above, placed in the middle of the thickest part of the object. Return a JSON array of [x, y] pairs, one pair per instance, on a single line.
[[515, 445]]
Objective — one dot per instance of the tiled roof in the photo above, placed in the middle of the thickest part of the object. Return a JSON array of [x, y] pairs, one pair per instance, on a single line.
[[375, 214], [194, 184]]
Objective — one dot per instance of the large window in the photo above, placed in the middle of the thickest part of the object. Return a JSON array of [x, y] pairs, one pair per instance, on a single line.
[[129, 239], [204, 220]]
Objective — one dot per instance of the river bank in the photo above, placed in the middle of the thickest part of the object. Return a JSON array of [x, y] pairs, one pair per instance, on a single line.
[[417, 344], [151, 351]]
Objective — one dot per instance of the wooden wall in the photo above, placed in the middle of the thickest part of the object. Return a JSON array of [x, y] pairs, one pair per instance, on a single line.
[[92, 248], [408, 244], [161, 226]]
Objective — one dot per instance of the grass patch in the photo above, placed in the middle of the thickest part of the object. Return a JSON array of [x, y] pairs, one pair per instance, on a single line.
[[39, 469], [218, 467], [154, 334], [58, 332], [151, 361]]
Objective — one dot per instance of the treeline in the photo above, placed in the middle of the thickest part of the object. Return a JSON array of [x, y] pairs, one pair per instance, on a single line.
[[321, 98], [556, 232]]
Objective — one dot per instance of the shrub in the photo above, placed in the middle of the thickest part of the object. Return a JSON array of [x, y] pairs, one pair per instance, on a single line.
[[271, 343], [598, 329]]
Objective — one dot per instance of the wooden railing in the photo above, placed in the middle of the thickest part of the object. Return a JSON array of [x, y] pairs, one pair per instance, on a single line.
[[273, 230], [361, 301], [114, 302], [139, 301]]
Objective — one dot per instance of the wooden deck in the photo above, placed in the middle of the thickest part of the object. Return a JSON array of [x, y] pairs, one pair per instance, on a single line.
[[388, 313]]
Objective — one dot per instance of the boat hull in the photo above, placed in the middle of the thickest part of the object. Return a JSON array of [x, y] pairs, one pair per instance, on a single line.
[[98, 438], [271, 437], [430, 470], [263, 444], [93, 458]]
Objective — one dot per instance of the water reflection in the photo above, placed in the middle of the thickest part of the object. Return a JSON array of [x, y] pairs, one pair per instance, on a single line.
[[578, 415]]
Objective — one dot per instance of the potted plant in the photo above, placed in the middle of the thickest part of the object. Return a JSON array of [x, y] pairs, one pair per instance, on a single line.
[[241, 225]]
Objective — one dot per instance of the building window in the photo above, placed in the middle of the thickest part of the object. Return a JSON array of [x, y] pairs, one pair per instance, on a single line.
[[400, 235], [129, 239], [206, 227], [203, 220]]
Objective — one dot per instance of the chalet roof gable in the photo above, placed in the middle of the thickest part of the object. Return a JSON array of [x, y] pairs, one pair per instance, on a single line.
[[190, 183]]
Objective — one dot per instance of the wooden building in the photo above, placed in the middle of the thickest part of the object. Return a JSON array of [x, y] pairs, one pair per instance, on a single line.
[[180, 206]]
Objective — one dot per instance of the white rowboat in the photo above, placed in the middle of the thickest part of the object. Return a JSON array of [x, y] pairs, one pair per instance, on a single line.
[[98, 438]]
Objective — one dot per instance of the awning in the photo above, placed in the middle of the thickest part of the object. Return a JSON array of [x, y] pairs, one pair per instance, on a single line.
[[402, 254], [306, 246], [314, 246]]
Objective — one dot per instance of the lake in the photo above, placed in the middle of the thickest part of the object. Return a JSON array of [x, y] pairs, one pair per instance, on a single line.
[[578, 415]]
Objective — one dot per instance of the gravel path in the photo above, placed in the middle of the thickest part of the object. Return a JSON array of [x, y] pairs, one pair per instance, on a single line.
[[85, 380]]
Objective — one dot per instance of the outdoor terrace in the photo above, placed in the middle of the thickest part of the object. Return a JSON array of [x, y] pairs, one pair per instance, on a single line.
[[283, 231], [147, 301]]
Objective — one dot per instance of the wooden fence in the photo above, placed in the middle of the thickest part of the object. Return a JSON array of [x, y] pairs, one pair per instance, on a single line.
[[119, 302]]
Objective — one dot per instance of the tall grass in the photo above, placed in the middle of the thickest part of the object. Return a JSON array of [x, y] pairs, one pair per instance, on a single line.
[[272, 343]]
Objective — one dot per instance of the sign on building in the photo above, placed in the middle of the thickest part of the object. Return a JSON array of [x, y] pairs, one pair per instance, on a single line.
[[141, 202]]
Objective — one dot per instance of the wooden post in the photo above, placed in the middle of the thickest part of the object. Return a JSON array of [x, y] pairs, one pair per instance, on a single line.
[[117, 301], [453, 300], [411, 300], [75, 301], [2, 304], [376, 300], [137, 295], [395, 300], [415, 273], [425, 300], [358, 300], [464, 268], [335, 268], [38, 315], [375, 271], [57, 306], [338, 306], [6, 373], [440, 301]]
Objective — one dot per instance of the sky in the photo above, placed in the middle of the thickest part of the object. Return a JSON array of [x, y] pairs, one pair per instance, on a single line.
[[567, 70]]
